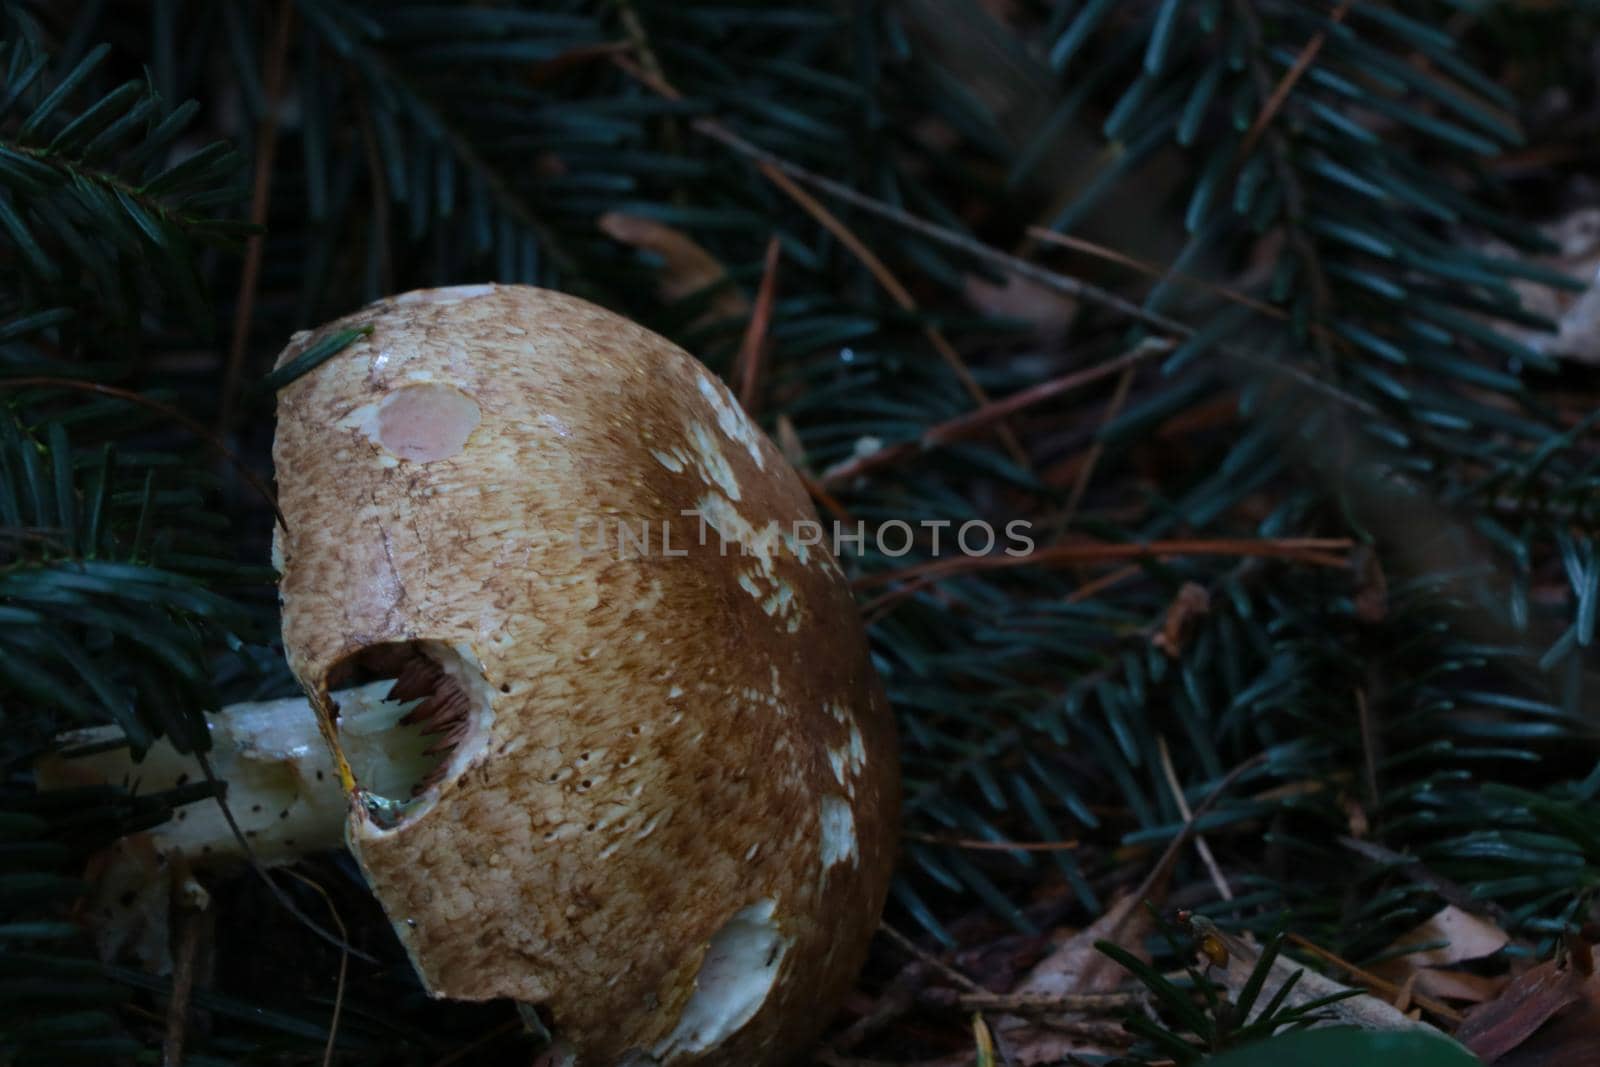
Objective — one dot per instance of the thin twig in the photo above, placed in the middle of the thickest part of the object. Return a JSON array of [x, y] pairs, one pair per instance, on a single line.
[[260, 196], [248, 848], [509, 1027], [1302, 549], [995, 846], [1373, 982], [820, 494], [881, 605], [344, 963], [930, 959], [969, 423], [189, 905], [1153, 270], [1041, 1003], [380, 193], [1200, 844], [1302, 63], [1175, 847], [1092, 589], [639, 42], [1294, 193], [1063, 283], [200, 430], [899, 998], [780, 172], [897, 292], [1003, 739], [833, 1059], [1080, 484], [1369, 747], [1449, 891], [747, 365]]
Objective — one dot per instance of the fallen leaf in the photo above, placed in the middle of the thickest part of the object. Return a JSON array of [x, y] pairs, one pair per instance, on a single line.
[[686, 268], [1465, 936], [1577, 314], [1032, 1045], [1191, 602], [1494, 1029], [789, 443], [1076, 966], [1049, 312], [1372, 588], [1365, 1010], [1460, 985], [1355, 815], [1571, 1039]]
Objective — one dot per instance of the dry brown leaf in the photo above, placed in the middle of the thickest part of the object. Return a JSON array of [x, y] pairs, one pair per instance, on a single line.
[[1191, 602], [1571, 1039], [1467, 937], [1460, 985], [789, 443], [1372, 588], [1046, 310], [1365, 1011], [686, 268], [1355, 815], [1577, 314], [1032, 1045], [1494, 1029], [1076, 966]]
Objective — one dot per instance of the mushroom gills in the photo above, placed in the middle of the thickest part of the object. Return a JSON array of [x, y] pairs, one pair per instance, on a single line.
[[425, 718]]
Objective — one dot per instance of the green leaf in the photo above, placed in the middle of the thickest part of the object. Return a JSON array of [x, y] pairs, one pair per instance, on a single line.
[[312, 358], [1348, 1047], [63, 89]]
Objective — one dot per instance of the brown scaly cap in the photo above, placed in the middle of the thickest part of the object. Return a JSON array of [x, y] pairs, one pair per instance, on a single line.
[[668, 807]]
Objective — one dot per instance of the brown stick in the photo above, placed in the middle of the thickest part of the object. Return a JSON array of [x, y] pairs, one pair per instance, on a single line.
[[930, 959], [1046, 1003], [199, 430], [189, 902], [747, 365], [260, 194], [1285, 86], [897, 292], [1304, 549], [973, 421]]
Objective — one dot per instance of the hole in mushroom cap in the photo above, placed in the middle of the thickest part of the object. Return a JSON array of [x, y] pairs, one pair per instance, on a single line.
[[426, 422], [404, 742], [740, 966]]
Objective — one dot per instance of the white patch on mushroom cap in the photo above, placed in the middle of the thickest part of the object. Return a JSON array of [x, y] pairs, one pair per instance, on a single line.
[[674, 461], [837, 831], [732, 420], [448, 295], [714, 468], [778, 598], [850, 758], [778, 603], [740, 966]]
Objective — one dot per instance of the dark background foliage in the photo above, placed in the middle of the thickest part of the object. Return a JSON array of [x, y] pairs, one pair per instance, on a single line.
[[184, 184]]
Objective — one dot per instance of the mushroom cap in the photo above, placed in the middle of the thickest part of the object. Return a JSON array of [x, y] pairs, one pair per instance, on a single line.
[[669, 814]]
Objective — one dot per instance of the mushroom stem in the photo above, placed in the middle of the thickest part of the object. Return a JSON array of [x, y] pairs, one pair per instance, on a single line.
[[281, 784]]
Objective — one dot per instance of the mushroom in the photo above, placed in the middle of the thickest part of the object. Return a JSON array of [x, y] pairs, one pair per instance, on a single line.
[[665, 794]]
